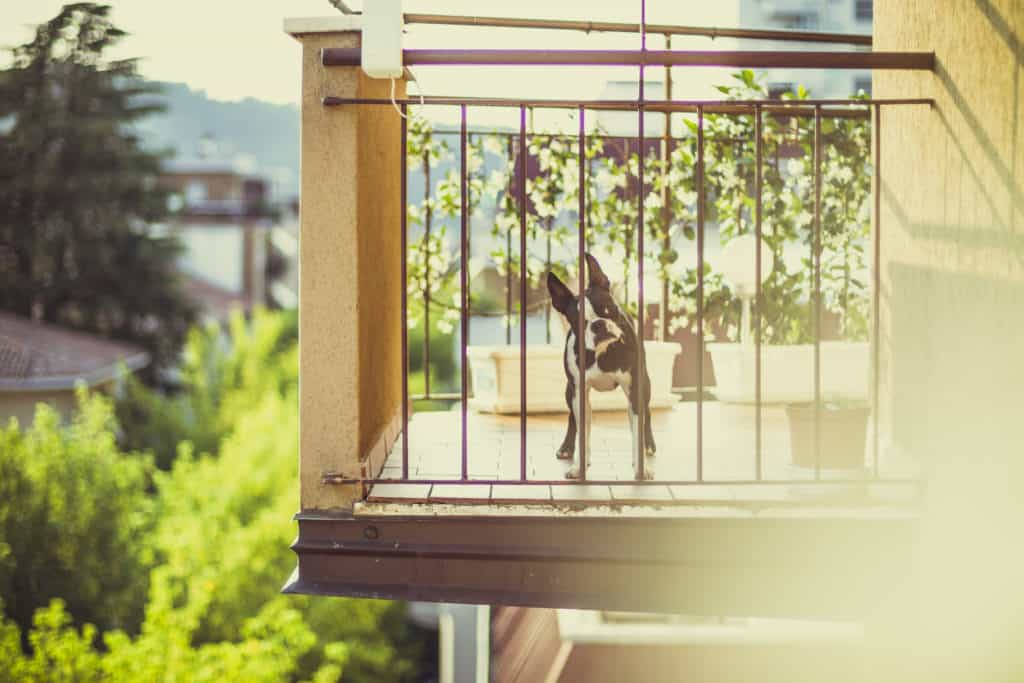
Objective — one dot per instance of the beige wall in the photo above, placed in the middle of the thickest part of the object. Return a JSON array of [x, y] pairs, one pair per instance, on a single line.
[[952, 328], [22, 404], [349, 323]]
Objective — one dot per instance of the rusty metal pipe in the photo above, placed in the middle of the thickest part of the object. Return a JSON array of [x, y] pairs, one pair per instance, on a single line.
[[403, 213], [522, 292], [627, 27], [581, 348], [747, 59], [464, 290]]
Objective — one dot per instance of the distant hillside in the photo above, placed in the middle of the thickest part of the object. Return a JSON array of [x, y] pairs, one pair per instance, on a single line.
[[257, 134]]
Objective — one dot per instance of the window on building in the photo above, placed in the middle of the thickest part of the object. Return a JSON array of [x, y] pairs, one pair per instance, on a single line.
[[195, 191], [863, 9], [795, 20]]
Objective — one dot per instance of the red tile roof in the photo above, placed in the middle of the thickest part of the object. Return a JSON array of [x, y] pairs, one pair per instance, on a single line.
[[37, 356]]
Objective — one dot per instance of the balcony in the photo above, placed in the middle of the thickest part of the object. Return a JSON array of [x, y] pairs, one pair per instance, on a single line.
[[469, 503]]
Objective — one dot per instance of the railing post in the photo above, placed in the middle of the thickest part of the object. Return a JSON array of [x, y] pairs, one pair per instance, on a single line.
[[350, 276]]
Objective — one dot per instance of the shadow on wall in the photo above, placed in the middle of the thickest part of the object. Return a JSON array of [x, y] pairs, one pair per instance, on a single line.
[[938, 323], [1007, 172]]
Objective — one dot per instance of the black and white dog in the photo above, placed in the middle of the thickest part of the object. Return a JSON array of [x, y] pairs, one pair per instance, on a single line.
[[614, 358]]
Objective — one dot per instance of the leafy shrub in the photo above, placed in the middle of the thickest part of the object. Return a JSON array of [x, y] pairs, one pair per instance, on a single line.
[[74, 516], [215, 548], [222, 376]]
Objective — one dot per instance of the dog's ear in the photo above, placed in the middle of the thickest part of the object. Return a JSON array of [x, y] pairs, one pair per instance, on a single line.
[[561, 296], [595, 275]]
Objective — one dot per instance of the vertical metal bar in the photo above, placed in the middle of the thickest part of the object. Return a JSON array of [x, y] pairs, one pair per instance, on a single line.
[[469, 236], [508, 264], [547, 257], [403, 214], [464, 289], [817, 291], [638, 388], [522, 292], [581, 386], [428, 216], [758, 304], [547, 269], [666, 196], [876, 294], [700, 293]]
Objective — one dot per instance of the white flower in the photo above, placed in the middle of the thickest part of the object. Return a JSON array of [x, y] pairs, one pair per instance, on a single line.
[[605, 182]]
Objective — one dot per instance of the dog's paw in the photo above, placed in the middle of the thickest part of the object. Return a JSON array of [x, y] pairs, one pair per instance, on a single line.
[[564, 454], [573, 472], [648, 473]]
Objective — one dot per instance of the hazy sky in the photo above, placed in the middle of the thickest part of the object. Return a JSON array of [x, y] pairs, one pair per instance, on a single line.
[[236, 48]]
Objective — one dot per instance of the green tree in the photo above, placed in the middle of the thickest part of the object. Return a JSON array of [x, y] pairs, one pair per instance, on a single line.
[[74, 516], [77, 190], [222, 377], [217, 545]]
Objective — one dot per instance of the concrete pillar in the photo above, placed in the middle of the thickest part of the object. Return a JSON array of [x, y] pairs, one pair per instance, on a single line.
[[349, 284]]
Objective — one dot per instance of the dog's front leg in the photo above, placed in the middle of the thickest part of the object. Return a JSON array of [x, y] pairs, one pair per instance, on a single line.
[[633, 394], [649, 444], [584, 409], [573, 472], [568, 447]]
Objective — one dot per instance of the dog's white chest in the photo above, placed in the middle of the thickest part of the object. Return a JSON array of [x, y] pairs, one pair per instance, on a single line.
[[602, 381]]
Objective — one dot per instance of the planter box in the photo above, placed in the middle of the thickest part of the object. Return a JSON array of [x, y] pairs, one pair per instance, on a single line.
[[787, 372], [843, 435], [495, 377]]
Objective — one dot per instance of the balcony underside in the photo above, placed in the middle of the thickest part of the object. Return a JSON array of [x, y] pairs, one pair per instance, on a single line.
[[825, 561]]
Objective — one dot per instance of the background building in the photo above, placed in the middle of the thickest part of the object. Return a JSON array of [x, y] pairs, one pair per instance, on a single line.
[[42, 363], [222, 214], [832, 16]]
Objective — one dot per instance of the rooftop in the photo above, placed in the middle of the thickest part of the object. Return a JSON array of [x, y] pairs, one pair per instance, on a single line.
[[38, 356]]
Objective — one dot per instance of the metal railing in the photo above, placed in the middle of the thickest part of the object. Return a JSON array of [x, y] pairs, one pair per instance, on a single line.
[[818, 109]]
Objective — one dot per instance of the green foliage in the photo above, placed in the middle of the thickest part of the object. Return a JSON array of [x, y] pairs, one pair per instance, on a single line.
[[787, 214], [442, 346], [221, 374], [214, 546], [612, 207], [77, 191], [269, 649], [73, 518]]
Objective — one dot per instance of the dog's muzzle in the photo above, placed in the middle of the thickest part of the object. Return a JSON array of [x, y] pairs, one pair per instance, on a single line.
[[604, 330]]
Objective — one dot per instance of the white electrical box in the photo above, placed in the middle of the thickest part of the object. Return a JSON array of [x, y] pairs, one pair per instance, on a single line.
[[382, 38]]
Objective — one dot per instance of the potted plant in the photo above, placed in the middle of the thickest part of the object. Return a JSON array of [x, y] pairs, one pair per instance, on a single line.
[[786, 308], [844, 426]]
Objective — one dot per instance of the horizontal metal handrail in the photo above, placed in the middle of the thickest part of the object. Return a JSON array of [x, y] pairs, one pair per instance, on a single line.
[[837, 107], [634, 27], [747, 59]]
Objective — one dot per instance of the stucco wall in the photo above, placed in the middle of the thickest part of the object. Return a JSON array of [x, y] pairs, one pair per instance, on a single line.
[[952, 327], [349, 298], [22, 404]]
